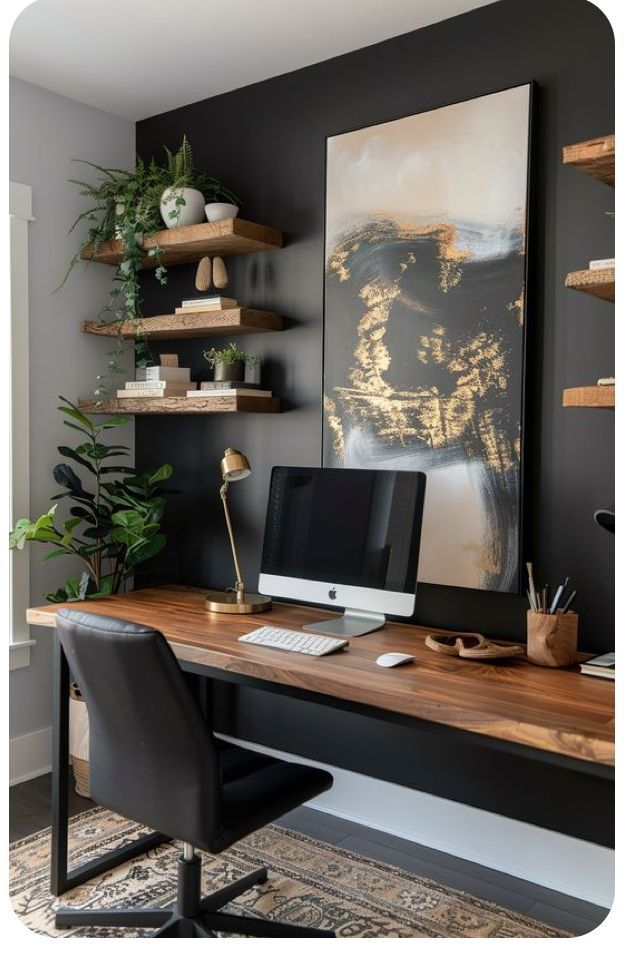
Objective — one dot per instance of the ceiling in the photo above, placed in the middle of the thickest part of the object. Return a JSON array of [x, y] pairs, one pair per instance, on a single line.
[[137, 58]]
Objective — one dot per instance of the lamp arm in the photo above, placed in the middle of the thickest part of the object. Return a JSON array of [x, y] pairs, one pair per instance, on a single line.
[[239, 584]]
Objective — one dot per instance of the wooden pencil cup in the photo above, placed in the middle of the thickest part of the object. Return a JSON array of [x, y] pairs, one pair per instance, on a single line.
[[552, 639]]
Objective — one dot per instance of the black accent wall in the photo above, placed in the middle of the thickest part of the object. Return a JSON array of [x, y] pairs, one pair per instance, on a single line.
[[267, 142]]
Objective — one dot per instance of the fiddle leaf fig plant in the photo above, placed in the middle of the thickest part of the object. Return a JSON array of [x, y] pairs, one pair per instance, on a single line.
[[115, 517]]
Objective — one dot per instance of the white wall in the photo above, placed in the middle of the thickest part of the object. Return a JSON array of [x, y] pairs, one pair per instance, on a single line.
[[46, 132]]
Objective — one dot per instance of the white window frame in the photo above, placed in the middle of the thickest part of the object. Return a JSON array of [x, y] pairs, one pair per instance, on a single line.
[[21, 212]]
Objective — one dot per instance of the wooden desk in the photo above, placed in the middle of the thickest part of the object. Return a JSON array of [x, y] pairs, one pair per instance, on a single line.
[[558, 714], [555, 710]]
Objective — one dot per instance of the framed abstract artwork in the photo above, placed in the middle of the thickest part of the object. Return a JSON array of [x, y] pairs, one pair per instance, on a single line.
[[424, 322]]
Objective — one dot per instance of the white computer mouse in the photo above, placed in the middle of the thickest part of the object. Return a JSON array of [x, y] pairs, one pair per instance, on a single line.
[[390, 659]]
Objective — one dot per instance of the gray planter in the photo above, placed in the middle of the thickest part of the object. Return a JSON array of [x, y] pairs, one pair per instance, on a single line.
[[252, 373], [229, 371]]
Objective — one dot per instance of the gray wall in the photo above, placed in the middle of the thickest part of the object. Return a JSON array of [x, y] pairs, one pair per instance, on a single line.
[[46, 131]]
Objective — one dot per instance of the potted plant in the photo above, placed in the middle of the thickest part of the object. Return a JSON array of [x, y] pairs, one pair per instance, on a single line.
[[252, 370], [114, 524], [184, 198], [227, 363]]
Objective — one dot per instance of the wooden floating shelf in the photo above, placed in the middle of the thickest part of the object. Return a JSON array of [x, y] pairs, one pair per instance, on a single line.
[[601, 283], [181, 406], [201, 324], [595, 157], [181, 245], [592, 396]]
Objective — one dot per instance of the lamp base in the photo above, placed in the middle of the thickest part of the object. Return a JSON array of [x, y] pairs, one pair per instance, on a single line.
[[226, 602]]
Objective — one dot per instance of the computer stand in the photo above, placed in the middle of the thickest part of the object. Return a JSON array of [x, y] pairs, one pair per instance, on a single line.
[[351, 623]]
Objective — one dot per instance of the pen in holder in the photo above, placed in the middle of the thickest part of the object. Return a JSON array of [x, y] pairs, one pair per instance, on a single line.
[[552, 639]]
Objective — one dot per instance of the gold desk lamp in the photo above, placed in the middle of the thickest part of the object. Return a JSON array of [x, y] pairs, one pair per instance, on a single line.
[[234, 467]]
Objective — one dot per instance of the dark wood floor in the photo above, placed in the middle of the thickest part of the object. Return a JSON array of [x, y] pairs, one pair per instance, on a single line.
[[29, 812]]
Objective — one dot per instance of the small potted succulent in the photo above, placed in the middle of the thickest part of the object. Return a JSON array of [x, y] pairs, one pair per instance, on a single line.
[[184, 199], [252, 370], [228, 363]]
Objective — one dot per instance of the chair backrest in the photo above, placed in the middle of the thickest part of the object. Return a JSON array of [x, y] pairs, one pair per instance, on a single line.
[[152, 757]]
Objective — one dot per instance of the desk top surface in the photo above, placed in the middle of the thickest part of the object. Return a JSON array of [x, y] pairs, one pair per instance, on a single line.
[[556, 710]]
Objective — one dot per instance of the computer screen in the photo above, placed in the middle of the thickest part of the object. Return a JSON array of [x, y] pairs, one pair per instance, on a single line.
[[349, 527]]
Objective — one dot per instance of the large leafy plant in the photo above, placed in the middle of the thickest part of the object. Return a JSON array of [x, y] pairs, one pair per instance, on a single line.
[[113, 526]]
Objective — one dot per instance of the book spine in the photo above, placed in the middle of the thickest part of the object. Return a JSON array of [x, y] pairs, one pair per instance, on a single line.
[[153, 393], [165, 385], [229, 393], [158, 373], [606, 262], [203, 302], [219, 385], [206, 308]]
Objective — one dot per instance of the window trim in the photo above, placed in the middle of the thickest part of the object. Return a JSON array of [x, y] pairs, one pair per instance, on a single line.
[[20, 213]]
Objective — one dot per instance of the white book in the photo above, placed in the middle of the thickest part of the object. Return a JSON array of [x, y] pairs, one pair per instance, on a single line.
[[605, 382], [162, 373], [605, 262], [229, 393], [152, 393], [166, 385], [204, 302]]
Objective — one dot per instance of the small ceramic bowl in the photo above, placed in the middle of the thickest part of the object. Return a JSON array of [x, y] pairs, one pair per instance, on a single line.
[[220, 212]]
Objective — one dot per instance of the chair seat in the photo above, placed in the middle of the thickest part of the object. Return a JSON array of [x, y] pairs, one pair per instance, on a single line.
[[256, 789]]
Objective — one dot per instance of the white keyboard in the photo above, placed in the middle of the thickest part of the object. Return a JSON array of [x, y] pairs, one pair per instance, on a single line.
[[303, 642]]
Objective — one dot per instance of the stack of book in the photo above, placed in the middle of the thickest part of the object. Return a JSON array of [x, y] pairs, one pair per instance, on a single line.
[[602, 666], [160, 381], [215, 303], [228, 389]]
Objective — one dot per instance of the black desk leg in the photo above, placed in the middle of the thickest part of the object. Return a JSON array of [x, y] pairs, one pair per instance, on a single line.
[[61, 879]]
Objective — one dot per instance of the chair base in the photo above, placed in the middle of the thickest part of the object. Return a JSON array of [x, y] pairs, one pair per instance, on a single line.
[[192, 916]]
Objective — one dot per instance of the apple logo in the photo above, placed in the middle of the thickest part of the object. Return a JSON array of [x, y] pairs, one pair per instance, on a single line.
[[332, 593]]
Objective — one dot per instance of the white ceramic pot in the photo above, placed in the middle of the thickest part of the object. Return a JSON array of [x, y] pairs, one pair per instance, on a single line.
[[181, 215], [220, 212]]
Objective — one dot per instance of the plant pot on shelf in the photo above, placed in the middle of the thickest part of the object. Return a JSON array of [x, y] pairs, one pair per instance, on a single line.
[[182, 206], [252, 373], [229, 371], [219, 211]]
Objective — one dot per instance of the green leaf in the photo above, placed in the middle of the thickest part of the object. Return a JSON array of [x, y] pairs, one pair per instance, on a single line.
[[74, 456], [162, 473], [56, 553], [74, 412], [145, 551], [114, 422]]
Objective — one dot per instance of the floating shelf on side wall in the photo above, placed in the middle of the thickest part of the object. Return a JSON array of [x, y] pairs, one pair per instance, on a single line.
[[181, 406], [181, 245], [200, 324], [592, 396], [600, 283], [595, 157]]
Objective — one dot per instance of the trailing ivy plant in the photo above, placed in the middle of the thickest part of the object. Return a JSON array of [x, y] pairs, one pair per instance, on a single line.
[[114, 523]]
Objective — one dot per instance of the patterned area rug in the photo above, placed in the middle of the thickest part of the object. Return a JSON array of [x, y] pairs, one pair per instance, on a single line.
[[310, 883]]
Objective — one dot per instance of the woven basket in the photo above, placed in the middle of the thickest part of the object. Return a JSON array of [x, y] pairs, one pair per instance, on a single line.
[[81, 775], [79, 766]]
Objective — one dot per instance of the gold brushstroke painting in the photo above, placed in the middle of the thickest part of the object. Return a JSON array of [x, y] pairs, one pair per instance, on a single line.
[[424, 322]]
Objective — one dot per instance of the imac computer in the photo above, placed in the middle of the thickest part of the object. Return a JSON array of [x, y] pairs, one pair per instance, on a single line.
[[345, 537]]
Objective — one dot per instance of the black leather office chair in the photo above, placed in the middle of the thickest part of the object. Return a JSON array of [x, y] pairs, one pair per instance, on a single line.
[[153, 760]]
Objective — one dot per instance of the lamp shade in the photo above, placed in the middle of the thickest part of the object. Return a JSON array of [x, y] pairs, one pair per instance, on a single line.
[[234, 466]]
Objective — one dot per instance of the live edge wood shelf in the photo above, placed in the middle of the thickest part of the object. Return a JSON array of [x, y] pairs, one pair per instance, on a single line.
[[600, 283], [595, 157], [182, 406], [203, 324], [592, 396], [182, 245]]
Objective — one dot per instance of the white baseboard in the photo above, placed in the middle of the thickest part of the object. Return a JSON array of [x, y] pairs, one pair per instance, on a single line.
[[30, 755], [562, 863]]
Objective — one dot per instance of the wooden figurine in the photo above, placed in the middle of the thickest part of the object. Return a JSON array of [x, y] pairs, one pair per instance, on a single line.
[[203, 274], [220, 276]]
